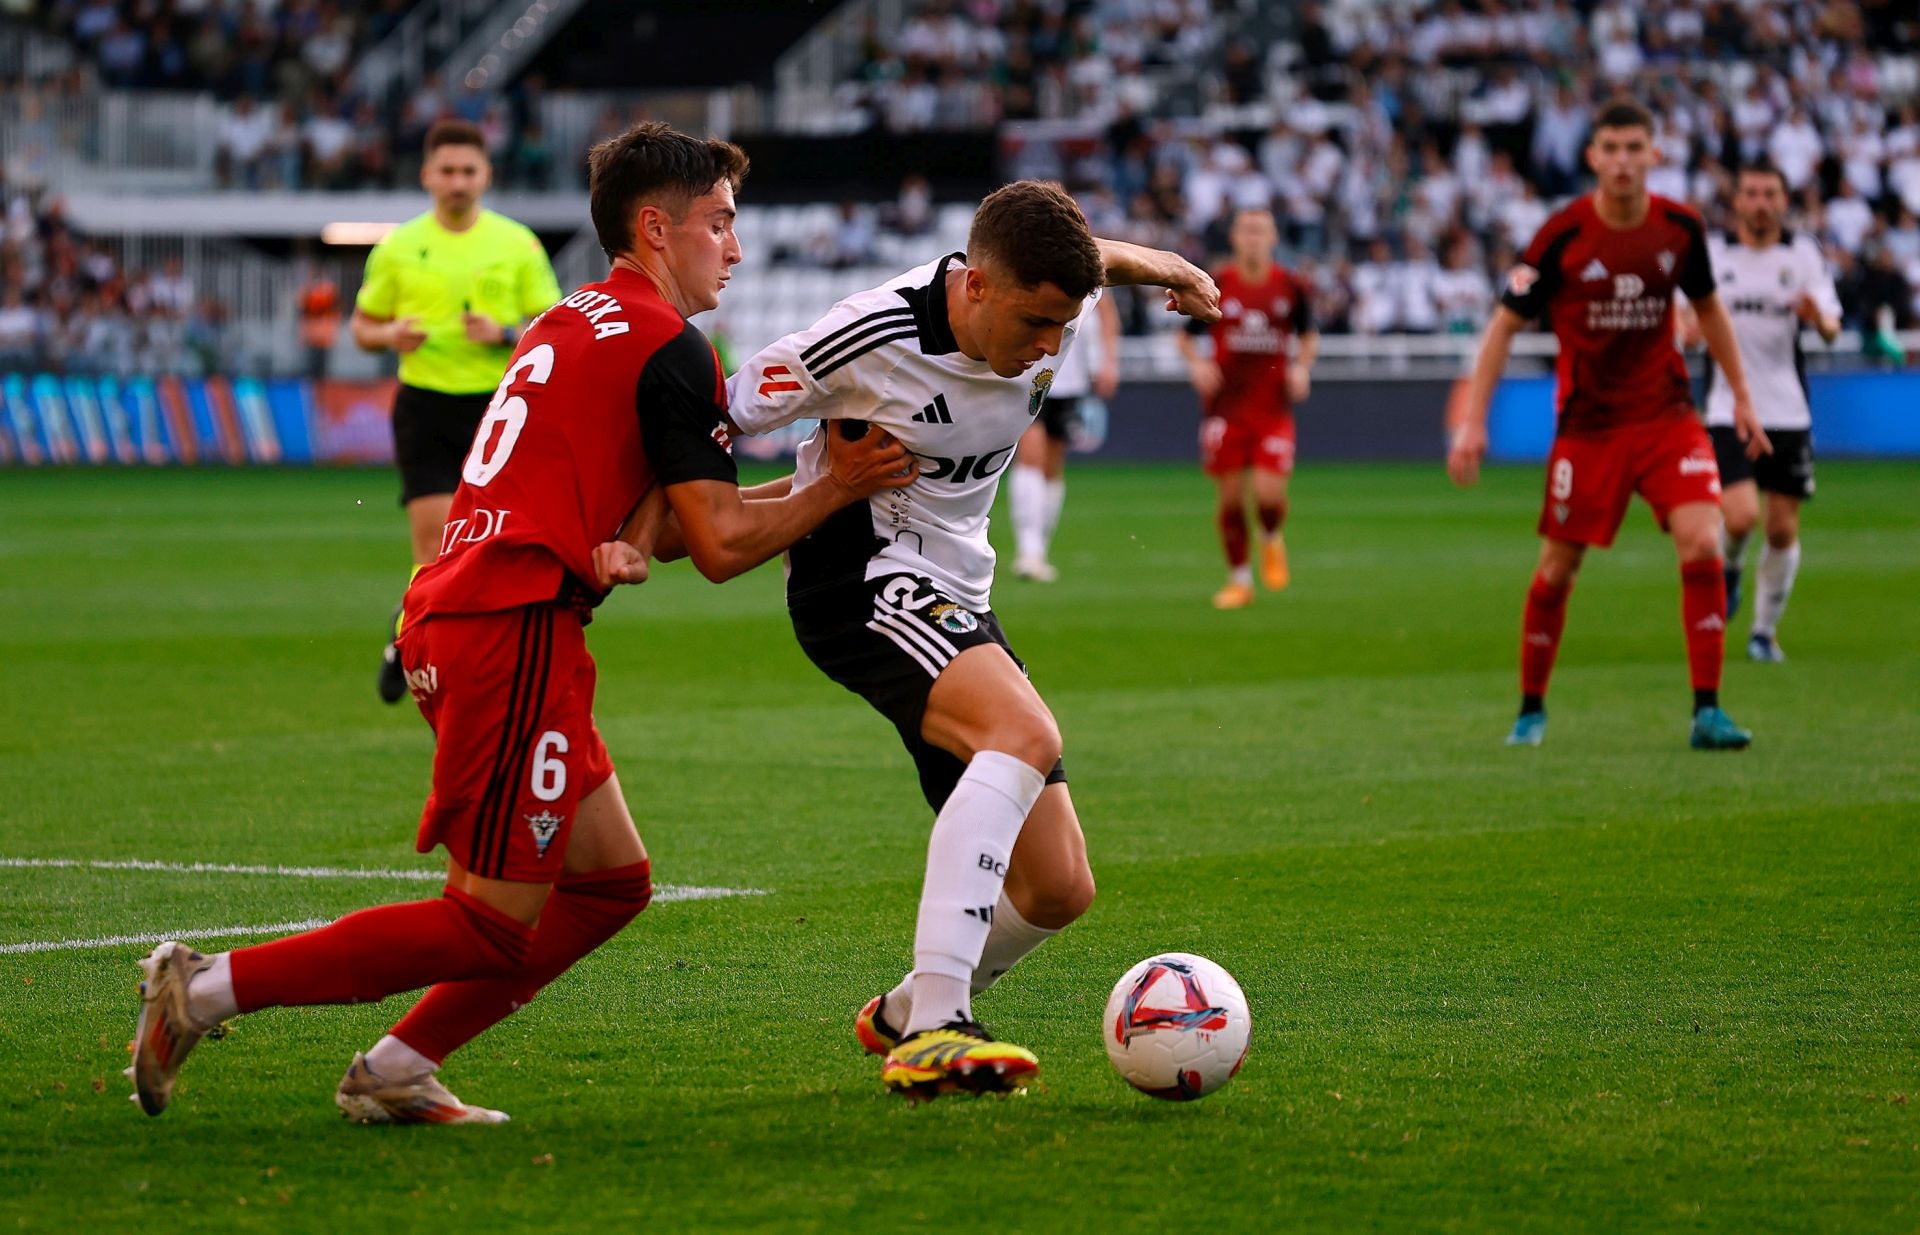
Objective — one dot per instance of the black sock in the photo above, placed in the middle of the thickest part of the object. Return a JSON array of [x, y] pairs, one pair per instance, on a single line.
[[1532, 704], [1709, 698]]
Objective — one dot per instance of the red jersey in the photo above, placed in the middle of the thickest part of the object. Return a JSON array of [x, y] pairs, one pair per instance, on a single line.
[[609, 391], [1607, 293], [1250, 339]]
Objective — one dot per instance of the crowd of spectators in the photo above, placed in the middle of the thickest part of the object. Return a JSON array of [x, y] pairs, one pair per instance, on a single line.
[[69, 305], [1411, 150]]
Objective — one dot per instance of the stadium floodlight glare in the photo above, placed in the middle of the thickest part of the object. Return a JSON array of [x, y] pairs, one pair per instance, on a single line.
[[355, 233]]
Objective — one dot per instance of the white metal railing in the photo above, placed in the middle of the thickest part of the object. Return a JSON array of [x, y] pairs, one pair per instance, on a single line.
[[831, 50], [423, 41], [507, 41]]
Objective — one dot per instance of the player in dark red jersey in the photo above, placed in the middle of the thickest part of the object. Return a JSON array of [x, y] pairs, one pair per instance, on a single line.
[[1603, 273], [1247, 391], [610, 393]]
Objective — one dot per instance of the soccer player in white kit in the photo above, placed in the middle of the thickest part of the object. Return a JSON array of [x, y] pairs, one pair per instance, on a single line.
[[891, 598], [1773, 282], [1037, 485]]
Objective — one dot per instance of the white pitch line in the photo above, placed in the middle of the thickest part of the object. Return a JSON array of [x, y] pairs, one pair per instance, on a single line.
[[115, 941], [663, 894]]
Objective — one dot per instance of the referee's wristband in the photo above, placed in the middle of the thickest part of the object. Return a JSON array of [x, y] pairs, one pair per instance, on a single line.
[[508, 336]]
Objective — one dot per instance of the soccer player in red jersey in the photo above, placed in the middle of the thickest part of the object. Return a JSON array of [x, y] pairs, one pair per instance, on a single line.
[[1247, 391], [610, 393], [1603, 272]]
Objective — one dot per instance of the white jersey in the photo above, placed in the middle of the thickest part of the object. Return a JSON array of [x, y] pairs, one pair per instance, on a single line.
[[888, 357], [1759, 287]]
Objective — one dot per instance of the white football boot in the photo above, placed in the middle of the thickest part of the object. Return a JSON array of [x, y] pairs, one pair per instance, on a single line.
[[165, 1032], [367, 1097]]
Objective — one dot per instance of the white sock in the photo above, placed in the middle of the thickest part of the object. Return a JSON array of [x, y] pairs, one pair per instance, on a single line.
[[210, 994], [1242, 575], [1777, 569], [966, 865], [1733, 548], [395, 1060], [1027, 496], [1011, 938], [1056, 497]]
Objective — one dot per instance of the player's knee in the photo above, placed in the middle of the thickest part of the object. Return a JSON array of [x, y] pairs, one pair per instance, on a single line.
[[1782, 538], [1698, 544], [1031, 736]]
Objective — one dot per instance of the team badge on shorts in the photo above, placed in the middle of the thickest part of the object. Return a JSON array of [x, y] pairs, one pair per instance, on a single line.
[[954, 619], [1042, 382], [545, 826]]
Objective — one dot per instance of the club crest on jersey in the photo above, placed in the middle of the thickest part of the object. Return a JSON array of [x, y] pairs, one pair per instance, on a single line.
[[1521, 278], [545, 826], [1665, 258], [1042, 382], [953, 619]]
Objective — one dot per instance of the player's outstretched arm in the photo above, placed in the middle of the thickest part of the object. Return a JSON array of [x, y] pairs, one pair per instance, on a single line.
[[727, 535], [1190, 290], [1717, 328], [1469, 442]]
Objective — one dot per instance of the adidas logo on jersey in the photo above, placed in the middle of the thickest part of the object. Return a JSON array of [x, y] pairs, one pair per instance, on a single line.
[[935, 413], [1594, 273]]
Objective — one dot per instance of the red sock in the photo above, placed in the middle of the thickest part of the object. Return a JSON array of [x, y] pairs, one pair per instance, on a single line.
[[1545, 618], [582, 912], [1271, 517], [1703, 603], [1233, 535], [379, 952]]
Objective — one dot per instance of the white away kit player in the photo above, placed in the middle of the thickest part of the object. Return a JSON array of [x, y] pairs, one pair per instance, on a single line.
[[891, 598]]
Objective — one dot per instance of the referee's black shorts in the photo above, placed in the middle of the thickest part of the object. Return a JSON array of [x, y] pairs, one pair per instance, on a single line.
[[432, 433]]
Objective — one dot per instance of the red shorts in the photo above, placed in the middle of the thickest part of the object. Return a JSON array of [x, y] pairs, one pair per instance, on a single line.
[[1236, 442], [510, 698], [1592, 477]]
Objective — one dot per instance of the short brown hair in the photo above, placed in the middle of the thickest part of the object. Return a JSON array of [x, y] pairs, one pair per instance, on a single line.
[[1624, 113], [1764, 166], [654, 164], [1037, 232], [454, 132]]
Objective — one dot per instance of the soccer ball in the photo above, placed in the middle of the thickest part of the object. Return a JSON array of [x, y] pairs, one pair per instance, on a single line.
[[1177, 1026]]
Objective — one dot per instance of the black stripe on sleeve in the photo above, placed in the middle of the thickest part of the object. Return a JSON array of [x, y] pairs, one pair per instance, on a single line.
[[824, 363], [909, 333], [829, 342]]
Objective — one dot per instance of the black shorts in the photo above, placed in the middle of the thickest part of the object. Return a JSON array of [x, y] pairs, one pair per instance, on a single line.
[[886, 640], [1787, 471], [1060, 417], [432, 433]]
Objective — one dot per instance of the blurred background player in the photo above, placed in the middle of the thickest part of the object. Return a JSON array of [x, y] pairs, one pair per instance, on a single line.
[[1774, 282], [1247, 390], [449, 291], [609, 395], [1602, 271], [1037, 486], [893, 599]]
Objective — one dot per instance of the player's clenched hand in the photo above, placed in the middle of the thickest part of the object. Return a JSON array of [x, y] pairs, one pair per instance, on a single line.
[[1463, 457], [1746, 423], [407, 335], [1807, 309], [866, 464], [1195, 295], [617, 562]]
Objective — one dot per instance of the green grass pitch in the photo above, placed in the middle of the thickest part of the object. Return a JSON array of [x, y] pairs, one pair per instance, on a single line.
[[1611, 984]]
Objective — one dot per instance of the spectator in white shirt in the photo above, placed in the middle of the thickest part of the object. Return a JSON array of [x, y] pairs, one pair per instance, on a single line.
[[244, 133], [1414, 280], [1559, 138], [1374, 307], [1462, 293], [1796, 148], [1848, 217]]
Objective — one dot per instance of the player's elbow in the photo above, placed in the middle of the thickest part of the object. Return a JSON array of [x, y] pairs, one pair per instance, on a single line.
[[717, 563]]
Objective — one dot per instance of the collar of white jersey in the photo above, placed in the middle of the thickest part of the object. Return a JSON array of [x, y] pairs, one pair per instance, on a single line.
[[929, 305]]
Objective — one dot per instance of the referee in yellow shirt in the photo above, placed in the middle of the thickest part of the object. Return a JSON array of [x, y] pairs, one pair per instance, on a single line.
[[450, 292]]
